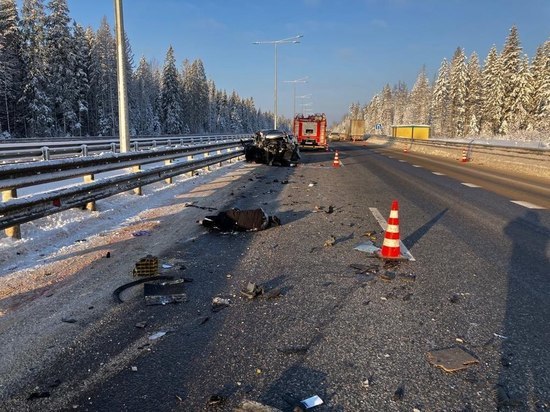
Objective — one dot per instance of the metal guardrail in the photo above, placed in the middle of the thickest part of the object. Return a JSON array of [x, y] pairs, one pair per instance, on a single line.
[[15, 211], [17, 150]]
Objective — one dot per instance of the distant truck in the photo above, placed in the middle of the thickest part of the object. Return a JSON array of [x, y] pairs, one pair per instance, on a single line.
[[311, 130]]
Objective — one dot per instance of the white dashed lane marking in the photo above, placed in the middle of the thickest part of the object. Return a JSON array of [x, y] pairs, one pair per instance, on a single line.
[[526, 204], [438, 173], [470, 185], [402, 161], [417, 166]]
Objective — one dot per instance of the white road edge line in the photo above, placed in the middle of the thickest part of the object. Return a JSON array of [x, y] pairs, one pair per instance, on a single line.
[[416, 166], [438, 173], [402, 161], [470, 185], [526, 204], [383, 224]]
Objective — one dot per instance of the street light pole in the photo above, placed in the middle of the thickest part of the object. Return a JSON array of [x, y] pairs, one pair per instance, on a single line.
[[123, 129], [276, 43], [302, 80]]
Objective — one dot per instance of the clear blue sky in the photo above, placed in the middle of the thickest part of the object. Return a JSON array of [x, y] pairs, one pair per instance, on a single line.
[[350, 48]]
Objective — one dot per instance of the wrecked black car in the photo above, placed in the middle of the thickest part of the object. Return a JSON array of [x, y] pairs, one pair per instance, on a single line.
[[272, 147]]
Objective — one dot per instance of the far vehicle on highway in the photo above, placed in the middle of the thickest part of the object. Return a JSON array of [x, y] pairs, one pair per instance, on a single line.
[[334, 137], [311, 130]]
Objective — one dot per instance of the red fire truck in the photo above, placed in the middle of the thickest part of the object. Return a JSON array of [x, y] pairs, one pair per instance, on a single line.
[[311, 130]]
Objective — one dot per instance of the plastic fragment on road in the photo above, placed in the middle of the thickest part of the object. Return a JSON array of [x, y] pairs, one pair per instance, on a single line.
[[451, 359], [331, 241], [157, 335], [367, 247], [312, 402], [163, 293], [240, 220]]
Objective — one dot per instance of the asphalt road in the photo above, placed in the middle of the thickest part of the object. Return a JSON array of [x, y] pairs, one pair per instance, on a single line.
[[481, 282]]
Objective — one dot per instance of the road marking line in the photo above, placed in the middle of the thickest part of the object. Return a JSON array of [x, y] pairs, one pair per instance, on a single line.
[[383, 224], [526, 204], [416, 166], [402, 161], [438, 173], [470, 185]]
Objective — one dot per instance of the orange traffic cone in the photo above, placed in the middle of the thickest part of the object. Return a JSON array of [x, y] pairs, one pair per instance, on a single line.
[[464, 155], [390, 246], [336, 162]]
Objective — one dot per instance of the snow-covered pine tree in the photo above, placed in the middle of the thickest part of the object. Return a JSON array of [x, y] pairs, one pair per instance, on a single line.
[[35, 100], [440, 107], [103, 83], [541, 88], [212, 107], [511, 77], [473, 98], [147, 93], [61, 63], [418, 106], [400, 94], [171, 97], [387, 109], [11, 68], [81, 74], [493, 93], [458, 93]]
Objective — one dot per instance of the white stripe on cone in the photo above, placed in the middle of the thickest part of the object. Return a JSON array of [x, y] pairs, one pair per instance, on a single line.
[[391, 242]]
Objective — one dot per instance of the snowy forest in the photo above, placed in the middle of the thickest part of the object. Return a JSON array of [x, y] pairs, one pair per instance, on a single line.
[[508, 97], [58, 78]]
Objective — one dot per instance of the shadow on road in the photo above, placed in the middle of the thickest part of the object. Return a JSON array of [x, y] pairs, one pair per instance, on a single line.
[[524, 380]]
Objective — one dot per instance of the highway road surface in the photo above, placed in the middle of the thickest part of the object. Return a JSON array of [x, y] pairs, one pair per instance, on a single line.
[[342, 325]]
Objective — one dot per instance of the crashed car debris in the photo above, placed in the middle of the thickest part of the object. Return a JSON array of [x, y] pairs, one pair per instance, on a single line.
[[235, 220], [272, 147]]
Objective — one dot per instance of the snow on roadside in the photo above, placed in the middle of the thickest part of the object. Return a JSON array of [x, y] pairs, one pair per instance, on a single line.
[[45, 239]]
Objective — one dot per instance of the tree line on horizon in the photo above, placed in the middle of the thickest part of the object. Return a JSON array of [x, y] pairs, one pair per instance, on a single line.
[[60, 79], [508, 96]]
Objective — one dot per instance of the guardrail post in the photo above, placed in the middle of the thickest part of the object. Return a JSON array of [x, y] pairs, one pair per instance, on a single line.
[[138, 190], [135, 146], [168, 180], [113, 147], [91, 206], [45, 153], [14, 231], [84, 150]]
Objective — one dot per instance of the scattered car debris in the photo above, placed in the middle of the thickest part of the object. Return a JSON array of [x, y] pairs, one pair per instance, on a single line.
[[330, 241], [210, 209], [409, 277], [252, 290], [451, 359], [166, 292], [272, 147], [134, 368], [310, 402], [500, 336], [367, 247], [108, 255], [203, 319], [167, 266], [387, 275], [141, 324], [141, 233], [157, 335], [219, 303], [407, 297], [273, 293], [252, 406], [241, 220], [68, 320], [147, 266], [215, 400], [454, 298], [363, 269], [120, 289]]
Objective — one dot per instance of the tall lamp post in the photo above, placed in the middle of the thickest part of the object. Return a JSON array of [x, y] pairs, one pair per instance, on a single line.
[[305, 96], [302, 80], [123, 130], [276, 43]]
